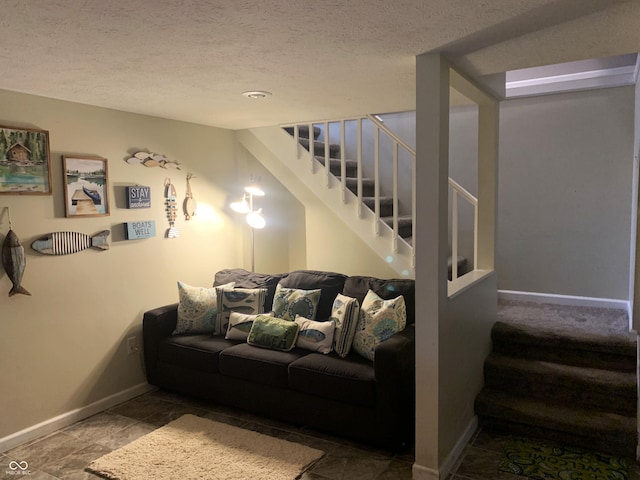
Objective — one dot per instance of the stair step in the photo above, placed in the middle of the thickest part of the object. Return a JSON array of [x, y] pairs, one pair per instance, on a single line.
[[386, 205], [584, 427], [368, 186], [335, 166], [303, 131], [578, 348], [318, 148], [405, 225], [586, 387]]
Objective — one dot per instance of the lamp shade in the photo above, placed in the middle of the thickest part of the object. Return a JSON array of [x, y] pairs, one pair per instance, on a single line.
[[254, 190], [242, 206], [256, 220]]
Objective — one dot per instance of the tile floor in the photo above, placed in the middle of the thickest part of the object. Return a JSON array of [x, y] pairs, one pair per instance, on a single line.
[[64, 453]]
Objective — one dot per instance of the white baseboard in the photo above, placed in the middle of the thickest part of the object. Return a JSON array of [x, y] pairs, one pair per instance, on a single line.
[[421, 472], [68, 418], [424, 473], [564, 299]]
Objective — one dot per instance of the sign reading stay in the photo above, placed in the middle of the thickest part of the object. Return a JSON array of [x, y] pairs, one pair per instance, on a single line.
[[138, 197], [136, 230]]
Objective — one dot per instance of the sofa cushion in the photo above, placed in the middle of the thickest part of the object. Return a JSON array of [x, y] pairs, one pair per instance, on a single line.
[[197, 352], [350, 380], [358, 287], [198, 309], [291, 302], [330, 283], [379, 320], [273, 333], [258, 365], [345, 313], [315, 336], [245, 279]]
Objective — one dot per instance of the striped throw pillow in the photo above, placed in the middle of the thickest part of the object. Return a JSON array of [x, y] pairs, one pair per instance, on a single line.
[[345, 313]]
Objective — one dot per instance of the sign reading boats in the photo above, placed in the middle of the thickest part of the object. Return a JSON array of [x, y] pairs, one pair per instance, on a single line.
[[137, 230]]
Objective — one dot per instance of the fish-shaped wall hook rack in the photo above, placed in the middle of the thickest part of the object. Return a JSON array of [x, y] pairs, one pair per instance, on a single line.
[[65, 243]]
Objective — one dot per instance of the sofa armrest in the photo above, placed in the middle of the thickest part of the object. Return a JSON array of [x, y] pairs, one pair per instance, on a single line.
[[395, 358], [160, 322], [157, 324], [394, 365]]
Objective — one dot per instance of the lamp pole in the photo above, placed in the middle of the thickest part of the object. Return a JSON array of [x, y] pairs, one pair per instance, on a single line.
[[253, 257]]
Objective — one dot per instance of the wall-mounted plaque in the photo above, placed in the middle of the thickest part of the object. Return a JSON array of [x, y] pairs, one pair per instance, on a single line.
[[138, 197], [137, 230]]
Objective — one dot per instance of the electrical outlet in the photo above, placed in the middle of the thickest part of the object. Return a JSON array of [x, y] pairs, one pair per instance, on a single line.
[[132, 346]]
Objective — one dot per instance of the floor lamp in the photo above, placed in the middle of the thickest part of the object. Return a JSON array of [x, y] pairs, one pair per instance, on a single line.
[[254, 217]]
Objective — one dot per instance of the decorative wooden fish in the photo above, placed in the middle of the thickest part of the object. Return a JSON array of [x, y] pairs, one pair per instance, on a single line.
[[150, 159], [65, 243], [170, 207], [14, 262], [189, 205]]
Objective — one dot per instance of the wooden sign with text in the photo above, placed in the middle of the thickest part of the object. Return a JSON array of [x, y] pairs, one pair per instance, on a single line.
[[138, 197], [137, 230]]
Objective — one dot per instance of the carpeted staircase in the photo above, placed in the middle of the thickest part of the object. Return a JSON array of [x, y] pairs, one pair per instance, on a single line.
[[566, 374], [405, 224]]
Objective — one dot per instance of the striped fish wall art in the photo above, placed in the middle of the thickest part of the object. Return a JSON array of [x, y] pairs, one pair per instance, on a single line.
[[65, 243]]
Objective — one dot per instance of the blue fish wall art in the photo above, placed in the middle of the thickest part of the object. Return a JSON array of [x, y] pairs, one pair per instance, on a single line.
[[14, 262]]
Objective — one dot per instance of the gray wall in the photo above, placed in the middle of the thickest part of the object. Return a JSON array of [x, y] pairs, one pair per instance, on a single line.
[[565, 193]]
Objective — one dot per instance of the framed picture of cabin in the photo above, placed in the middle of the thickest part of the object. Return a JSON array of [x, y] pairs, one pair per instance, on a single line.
[[86, 186], [25, 161]]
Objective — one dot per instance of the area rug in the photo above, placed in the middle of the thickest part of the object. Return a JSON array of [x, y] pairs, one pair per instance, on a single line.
[[546, 461], [193, 447]]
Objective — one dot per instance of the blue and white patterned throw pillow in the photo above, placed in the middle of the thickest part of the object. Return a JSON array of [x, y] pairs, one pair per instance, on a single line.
[[316, 336], [249, 301], [379, 320], [198, 308], [345, 313], [289, 302]]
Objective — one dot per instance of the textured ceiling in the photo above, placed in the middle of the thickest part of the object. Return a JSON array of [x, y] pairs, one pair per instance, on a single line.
[[191, 59]]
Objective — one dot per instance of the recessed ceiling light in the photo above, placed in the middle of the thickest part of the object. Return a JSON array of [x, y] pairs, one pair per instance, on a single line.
[[257, 94]]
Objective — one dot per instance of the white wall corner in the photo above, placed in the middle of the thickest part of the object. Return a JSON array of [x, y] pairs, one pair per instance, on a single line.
[[424, 473], [450, 463], [71, 417]]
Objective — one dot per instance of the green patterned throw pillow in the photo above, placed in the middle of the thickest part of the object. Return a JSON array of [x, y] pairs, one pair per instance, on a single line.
[[316, 336], [249, 301], [345, 313], [240, 325], [289, 302], [273, 333], [379, 320], [198, 308]]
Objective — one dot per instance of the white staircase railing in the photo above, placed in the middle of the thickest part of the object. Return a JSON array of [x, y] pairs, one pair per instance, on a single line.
[[398, 146]]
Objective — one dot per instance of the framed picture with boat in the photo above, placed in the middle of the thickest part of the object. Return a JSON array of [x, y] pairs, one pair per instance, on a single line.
[[25, 161], [86, 182]]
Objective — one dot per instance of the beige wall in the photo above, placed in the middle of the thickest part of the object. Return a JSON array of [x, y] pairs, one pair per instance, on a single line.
[[64, 347], [318, 238]]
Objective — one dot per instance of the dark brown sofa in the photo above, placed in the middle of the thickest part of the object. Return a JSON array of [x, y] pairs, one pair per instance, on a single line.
[[351, 397]]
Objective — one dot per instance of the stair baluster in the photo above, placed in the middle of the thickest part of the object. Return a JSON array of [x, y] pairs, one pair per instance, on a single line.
[[368, 191]]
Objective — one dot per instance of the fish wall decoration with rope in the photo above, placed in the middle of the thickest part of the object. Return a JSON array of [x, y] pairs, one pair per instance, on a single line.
[[14, 260]]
